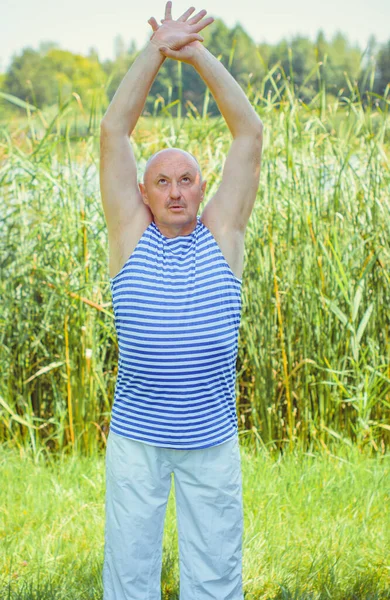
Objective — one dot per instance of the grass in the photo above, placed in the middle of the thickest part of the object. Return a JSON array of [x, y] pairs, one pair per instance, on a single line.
[[313, 359], [316, 526], [313, 363], [313, 368]]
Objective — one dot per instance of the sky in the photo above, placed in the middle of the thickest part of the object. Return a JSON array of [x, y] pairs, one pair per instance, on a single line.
[[78, 25]]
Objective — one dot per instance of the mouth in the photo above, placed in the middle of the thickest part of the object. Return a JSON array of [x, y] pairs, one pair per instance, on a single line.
[[176, 207]]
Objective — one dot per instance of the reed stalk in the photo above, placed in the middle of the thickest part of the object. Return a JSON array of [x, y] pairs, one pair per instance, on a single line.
[[314, 354]]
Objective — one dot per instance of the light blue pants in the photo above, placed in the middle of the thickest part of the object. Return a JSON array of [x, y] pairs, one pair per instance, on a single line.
[[209, 508]]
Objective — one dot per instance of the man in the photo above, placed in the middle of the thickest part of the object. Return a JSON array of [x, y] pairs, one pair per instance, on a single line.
[[176, 281]]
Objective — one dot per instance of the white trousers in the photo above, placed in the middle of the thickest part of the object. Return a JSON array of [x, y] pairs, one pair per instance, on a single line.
[[209, 508]]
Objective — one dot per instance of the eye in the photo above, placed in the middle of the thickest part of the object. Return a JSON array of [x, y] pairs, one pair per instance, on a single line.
[[186, 178], [161, 179]]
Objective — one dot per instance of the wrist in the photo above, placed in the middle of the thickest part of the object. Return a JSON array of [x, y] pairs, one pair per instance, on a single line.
[[153, 46], [199, 52]]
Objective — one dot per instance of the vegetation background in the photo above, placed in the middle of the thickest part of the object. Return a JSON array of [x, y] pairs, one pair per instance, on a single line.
[[313, 369], [50, 75]]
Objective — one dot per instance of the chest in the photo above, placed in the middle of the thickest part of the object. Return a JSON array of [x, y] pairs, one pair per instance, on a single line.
[[198, 283], [161, 305]]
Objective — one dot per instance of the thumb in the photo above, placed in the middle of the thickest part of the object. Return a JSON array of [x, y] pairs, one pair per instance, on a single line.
[[168, 52]]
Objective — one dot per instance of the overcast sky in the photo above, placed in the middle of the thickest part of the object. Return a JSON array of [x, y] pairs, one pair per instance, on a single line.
[[78, 25]]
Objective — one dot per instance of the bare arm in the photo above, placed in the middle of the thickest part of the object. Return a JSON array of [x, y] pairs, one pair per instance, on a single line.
[[235, 107], [119, 190], [129, 100], [233, 202], [118, 171]]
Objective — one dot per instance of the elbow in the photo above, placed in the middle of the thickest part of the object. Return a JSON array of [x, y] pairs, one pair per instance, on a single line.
[[105, 125], [258, 133], [256, 130], [258, 127], [113, 129], [252, 131]]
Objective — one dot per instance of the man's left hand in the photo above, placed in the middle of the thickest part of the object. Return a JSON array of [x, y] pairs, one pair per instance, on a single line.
[[179, 39]]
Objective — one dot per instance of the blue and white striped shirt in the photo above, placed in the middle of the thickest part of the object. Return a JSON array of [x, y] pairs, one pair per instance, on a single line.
[[177, 307]]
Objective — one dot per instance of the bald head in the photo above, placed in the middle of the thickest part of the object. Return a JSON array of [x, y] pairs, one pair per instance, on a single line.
[[171, 154], [172, 177]]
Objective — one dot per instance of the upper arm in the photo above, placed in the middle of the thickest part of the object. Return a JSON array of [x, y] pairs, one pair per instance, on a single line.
[[119, 189], [232, 204]]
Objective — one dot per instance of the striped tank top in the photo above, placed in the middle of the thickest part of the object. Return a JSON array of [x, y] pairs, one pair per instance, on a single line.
[[177, 308]]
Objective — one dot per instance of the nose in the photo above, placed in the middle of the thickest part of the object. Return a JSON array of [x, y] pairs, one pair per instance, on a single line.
[[174, 191]]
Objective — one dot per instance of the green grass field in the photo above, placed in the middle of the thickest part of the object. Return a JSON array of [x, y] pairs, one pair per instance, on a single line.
[[313, 368], [316, 526]]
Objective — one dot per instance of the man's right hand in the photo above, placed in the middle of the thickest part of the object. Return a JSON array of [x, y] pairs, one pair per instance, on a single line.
[[174, 35]]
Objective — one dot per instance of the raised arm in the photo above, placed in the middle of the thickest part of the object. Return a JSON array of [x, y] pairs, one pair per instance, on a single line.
[[120, 193], [119, 190], [232, 204]]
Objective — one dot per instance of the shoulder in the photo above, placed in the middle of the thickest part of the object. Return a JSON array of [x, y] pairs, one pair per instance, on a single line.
[[231, 242], [123, 241]]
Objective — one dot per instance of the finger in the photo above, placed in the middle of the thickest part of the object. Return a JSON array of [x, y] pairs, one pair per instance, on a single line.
[[168, 52], [202, 24], [197, 17], [191, 37], [186, 14], [168, 10], [153, 23]]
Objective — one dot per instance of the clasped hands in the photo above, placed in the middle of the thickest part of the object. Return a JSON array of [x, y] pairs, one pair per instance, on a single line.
[[179, 38]]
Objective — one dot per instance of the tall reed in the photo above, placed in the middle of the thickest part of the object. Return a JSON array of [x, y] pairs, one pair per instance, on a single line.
[[313, 365]]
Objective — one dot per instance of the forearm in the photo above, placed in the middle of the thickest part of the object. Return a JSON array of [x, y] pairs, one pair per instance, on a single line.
[[129, 100], [235, 107]]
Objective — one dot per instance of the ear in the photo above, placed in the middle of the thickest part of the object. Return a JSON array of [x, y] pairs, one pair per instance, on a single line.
[[144, 195], [203, 187]]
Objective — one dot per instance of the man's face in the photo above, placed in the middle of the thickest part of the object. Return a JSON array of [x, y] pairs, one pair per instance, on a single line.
[[173, 189]]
